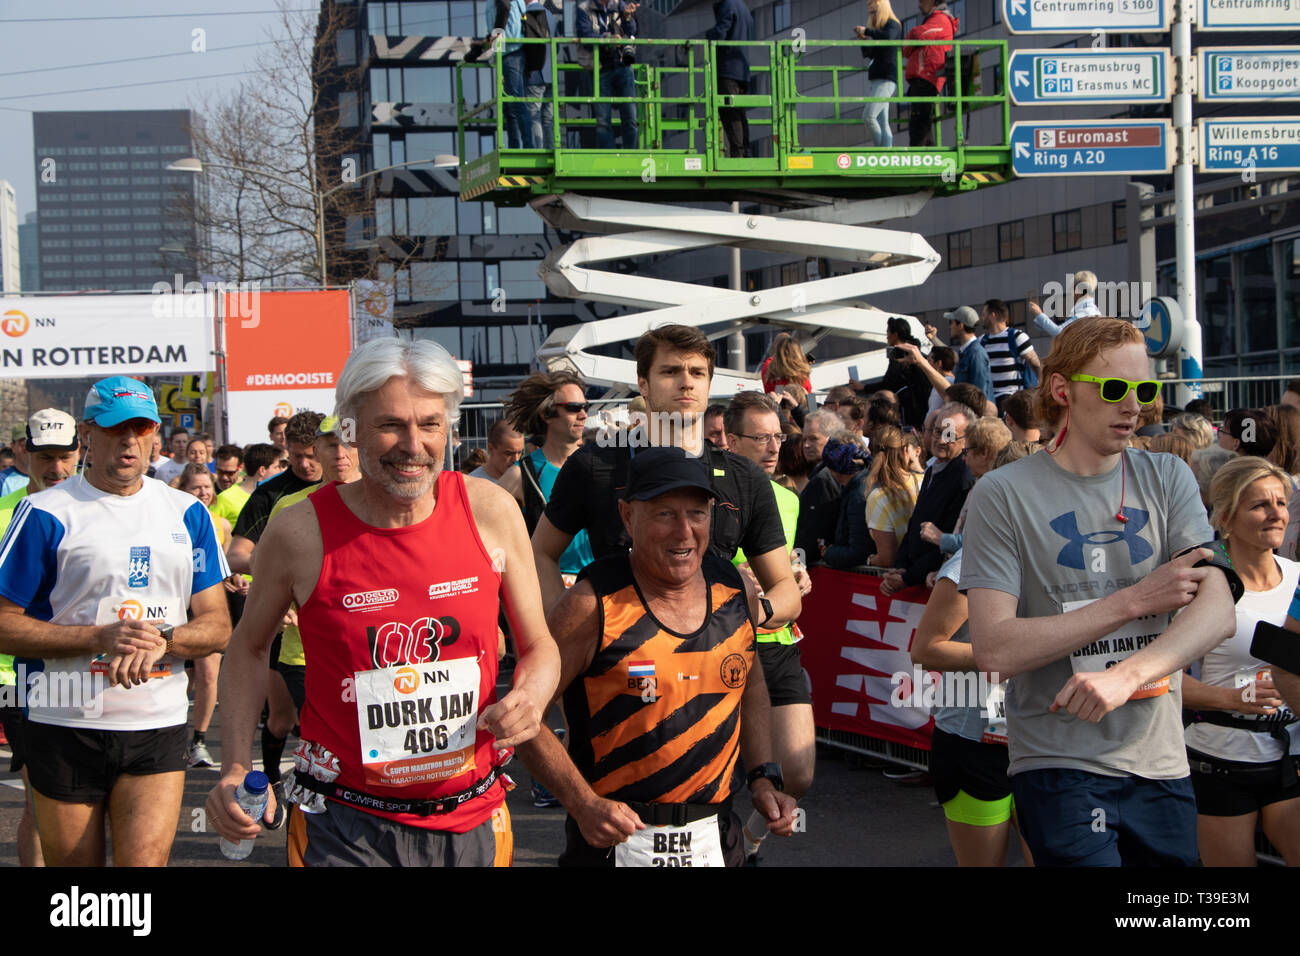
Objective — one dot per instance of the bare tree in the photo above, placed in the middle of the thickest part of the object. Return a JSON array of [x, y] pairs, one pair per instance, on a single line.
[[273, 147]]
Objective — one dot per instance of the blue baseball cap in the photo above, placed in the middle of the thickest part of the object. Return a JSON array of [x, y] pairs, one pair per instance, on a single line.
[[112, 401]]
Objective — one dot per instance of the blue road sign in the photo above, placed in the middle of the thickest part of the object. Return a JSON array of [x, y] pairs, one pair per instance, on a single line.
[[1161, 323], [1041, 16], [1235, 15], [1091, 147], [1231, 144], [186, 420], [1050, 77], [1249, 74]]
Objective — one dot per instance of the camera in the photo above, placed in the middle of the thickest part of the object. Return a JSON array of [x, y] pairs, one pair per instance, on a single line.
[[628, 55], [895, 354]]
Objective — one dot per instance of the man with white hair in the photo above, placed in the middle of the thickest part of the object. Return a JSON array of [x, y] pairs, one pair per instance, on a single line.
[[1084, 291], [399, 579]]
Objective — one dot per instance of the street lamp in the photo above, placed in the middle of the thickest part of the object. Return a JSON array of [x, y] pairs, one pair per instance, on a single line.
[[192, 165]]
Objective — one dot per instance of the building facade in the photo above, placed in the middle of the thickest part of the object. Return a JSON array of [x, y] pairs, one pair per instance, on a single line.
[[29, 254], [465, 273], [10, 251], [106, 204]]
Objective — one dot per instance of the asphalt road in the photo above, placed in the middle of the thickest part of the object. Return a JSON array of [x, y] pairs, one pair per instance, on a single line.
[[854, 816]]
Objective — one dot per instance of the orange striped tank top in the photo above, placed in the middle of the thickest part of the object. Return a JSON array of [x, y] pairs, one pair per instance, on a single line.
[[656, 716]]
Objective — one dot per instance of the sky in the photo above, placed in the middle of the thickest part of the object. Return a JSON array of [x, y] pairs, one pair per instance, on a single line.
[[52, 46]]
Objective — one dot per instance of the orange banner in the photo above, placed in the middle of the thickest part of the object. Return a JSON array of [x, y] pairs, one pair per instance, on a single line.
[[284, 353], [291, 340]]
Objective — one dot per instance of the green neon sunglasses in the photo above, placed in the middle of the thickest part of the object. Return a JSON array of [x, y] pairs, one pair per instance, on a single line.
[[1116, 389]]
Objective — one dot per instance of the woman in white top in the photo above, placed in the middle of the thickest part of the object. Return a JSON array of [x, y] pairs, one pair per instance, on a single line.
[[1238, 746]]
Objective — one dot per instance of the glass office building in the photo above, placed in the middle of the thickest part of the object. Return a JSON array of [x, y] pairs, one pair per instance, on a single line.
[[105, 203]]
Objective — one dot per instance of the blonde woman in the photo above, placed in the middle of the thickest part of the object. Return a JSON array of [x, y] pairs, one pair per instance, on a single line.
[[786, 365], [882, 74], [1241, 742], [892, 497]]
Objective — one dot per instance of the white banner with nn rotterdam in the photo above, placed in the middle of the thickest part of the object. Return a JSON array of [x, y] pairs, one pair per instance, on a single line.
[[90, 336]]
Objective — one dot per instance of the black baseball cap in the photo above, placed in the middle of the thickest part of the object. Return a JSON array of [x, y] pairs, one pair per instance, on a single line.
[[659, 470]]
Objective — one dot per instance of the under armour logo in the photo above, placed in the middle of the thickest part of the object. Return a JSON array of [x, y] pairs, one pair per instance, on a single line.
[[1071, 556]]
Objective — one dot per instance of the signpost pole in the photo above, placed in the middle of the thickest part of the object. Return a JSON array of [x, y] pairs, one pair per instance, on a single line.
[[1189, 356]]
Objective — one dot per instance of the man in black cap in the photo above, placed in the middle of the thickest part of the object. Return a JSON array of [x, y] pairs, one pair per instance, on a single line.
[[657, 654]]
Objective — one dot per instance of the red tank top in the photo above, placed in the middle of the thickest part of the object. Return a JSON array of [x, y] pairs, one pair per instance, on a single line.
[[400, 635]]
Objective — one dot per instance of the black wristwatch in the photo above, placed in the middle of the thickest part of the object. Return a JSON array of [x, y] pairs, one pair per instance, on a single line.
[[166, 631], [768, 613], [770, 771]]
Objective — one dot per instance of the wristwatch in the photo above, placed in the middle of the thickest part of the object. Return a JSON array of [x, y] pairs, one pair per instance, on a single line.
[[771, 771], [166, 631], [768, 613]]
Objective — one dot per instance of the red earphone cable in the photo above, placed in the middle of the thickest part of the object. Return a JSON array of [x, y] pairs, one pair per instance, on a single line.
[[1119, 515]]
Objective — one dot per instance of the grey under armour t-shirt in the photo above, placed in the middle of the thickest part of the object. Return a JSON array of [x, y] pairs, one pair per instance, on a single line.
[[1050, 537]]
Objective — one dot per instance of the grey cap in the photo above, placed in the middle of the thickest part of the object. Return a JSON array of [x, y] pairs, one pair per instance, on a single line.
[[965, 315]]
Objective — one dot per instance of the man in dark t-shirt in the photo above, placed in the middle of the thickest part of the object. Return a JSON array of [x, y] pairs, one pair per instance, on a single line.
[[674, 373]]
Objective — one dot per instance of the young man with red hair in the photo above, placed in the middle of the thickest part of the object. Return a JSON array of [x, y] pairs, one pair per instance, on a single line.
[[1073, 572]]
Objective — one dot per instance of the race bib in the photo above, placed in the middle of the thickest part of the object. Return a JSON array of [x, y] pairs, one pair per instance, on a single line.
[[696, 844], [418, 721], [169, 610], [1124, 641], [995, 708], [1250, 675]]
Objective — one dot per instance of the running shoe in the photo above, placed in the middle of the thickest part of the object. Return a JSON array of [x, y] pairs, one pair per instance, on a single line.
[[543, 798], [908, 777], [199, 756]]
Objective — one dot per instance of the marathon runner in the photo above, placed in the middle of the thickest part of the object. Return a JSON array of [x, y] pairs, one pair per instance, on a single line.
[[657, 646], [338, 462], [52, 445], [304, 471], [1072, 569], [96, 574], [399, 578], [674, 367], [549, 404], [753, 429]]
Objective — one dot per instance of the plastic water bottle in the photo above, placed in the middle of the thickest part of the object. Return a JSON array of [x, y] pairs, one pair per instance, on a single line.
[[251, 795]]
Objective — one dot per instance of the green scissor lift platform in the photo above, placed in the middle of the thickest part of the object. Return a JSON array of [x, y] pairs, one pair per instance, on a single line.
[[805, 115]]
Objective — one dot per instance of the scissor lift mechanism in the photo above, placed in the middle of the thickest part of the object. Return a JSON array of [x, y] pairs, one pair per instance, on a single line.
[[838, 191], [887, 259]]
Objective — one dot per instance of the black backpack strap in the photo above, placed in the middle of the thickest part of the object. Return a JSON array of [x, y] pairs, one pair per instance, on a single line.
[[535, 500]]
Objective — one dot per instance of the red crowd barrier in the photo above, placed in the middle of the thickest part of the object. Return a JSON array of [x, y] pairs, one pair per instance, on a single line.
[[855, 640]]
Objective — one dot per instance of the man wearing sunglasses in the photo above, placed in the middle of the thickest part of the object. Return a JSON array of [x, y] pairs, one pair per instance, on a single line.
[[96, 575], [1074, 566]]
